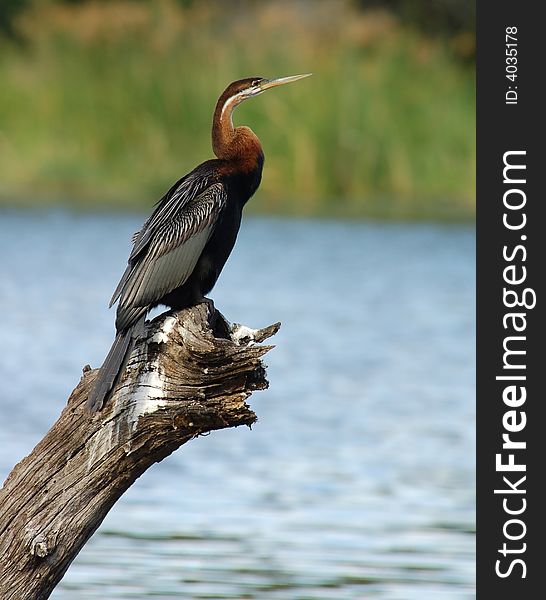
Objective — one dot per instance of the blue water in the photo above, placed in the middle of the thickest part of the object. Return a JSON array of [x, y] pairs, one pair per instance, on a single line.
[[358, 480]]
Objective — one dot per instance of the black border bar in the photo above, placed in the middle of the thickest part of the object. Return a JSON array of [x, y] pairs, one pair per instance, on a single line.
[[511, 349]]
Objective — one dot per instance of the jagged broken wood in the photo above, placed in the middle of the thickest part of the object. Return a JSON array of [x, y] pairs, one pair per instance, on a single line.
[[191, 373]]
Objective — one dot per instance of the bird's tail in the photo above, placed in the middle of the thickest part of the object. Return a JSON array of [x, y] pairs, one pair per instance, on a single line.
[[112, 366]]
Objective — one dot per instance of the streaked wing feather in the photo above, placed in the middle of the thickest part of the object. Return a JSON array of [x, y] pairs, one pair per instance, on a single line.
[[171, 270], [121, 284], [182, 192], [172, 251], [179, 195]]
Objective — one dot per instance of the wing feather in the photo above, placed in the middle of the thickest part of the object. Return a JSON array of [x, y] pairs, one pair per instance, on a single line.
[[172, 249], [183, 192], [167, 272]]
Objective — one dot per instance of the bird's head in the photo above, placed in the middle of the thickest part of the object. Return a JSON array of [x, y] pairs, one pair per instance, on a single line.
[[223, 134], [252, 86], [242, 89]]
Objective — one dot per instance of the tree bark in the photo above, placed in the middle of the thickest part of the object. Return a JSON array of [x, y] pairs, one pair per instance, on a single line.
[[189, 374]]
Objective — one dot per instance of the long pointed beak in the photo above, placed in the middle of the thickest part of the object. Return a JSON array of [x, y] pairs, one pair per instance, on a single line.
[[269, 83]]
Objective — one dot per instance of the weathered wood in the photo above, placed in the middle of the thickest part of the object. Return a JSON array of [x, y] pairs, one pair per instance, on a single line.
[[191, 373]]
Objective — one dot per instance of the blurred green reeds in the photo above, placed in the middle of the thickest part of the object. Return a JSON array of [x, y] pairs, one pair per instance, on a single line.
[[107, 103]]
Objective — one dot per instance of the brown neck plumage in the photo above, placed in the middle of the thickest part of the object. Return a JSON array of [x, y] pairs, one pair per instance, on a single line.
[[240, 144]]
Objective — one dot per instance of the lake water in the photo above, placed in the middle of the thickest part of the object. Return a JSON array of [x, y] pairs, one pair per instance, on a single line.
[[358, 480]]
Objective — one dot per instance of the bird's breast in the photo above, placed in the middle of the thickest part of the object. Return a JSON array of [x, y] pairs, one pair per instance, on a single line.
[[242, 178]]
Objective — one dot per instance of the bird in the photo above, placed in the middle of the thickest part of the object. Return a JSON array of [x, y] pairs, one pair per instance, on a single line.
[[179, 252]]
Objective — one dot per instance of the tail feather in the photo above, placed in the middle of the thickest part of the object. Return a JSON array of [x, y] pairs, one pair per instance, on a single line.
[[111, 368]]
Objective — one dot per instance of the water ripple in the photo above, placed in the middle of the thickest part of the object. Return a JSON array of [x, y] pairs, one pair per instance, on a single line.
[[357, 481]]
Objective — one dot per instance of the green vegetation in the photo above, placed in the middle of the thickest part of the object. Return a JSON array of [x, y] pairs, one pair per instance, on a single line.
[[107, 103]]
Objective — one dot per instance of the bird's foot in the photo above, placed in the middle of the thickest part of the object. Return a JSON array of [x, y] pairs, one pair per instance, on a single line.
[[210, 304]]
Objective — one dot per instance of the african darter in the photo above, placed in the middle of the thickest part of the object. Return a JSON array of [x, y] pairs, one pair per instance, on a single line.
[[181, 249]]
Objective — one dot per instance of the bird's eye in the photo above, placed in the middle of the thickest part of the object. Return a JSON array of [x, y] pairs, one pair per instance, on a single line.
[[256, 82]]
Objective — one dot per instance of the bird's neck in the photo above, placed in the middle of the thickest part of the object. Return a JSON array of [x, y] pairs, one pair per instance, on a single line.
[[240, 144]]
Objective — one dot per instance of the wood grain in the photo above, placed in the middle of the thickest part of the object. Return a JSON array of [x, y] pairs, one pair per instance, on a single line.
[[191, 373]]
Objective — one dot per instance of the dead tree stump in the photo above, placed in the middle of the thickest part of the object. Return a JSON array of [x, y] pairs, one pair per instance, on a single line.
[[190, 373]]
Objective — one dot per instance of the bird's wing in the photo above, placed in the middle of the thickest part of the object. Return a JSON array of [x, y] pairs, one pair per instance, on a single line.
[[184, 191], [170, 206], [169, 246]]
